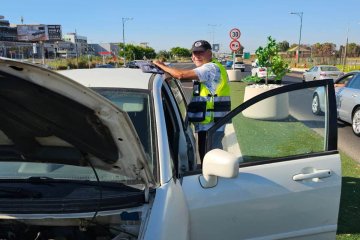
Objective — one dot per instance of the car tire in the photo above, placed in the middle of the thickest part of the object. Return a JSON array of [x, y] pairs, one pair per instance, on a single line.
[[315, 105], [356, 122]]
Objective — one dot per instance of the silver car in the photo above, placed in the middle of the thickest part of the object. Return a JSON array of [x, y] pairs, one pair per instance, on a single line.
[[239, 65], [322, 72], [347, 91], [108, 153]]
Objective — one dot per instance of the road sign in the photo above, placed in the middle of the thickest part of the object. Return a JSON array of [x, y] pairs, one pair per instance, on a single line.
[[235, 33], [235, 45]]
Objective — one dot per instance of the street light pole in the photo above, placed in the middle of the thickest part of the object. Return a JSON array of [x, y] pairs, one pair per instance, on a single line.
[[213, 32], [123, 25], [300, 14]]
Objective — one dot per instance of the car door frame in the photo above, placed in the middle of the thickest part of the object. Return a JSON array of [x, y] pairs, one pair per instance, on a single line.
[[207, 222]]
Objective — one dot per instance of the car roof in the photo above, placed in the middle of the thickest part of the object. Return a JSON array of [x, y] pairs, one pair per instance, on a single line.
[[109, 77]]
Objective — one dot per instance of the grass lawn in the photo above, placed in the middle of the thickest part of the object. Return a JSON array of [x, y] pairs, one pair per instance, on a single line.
[[349, 215]]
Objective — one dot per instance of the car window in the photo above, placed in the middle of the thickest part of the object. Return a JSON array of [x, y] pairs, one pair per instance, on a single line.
[[329, 68], [292, 128], [172, 129], [179, 97], [314, 69], [344, 81], [137, 106], [355, 82]]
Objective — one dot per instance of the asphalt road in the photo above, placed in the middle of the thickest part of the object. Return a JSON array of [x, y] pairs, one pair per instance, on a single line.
[[347, 141]]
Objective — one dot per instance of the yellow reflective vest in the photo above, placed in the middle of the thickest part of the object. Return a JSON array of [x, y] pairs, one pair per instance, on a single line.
[[206, 108]]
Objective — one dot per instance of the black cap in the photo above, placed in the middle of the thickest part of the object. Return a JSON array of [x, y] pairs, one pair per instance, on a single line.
[[200, 46]]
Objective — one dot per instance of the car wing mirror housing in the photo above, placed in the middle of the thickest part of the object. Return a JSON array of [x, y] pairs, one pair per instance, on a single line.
[[218, 163]]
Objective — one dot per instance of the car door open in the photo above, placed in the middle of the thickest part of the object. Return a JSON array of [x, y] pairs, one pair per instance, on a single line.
[[287, 177]]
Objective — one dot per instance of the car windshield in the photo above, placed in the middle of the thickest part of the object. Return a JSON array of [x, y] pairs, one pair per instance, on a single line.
[[136, 104], [329, 68]]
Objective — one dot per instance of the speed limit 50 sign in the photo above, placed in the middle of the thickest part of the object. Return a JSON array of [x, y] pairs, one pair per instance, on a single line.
[[235, 33]]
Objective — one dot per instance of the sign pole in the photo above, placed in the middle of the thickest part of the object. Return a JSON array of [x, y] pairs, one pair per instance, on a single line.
[[233, 55]]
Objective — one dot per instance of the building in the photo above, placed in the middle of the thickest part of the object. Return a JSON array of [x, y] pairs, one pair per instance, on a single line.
[[80, 42], [304, 52], [99, 48], [7, 32]]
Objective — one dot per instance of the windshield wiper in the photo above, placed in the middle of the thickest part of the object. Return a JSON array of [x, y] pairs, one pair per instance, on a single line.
[[19, 192]]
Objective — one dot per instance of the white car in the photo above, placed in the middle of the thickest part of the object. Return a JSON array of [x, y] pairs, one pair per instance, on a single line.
[[322, 72], [108, 153], [260, 72], [239, 65], [347, 92]]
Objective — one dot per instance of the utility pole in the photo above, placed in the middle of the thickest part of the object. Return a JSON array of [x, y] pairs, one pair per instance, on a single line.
[[76, 49], [123, 25], [300, 14], [345, 52]]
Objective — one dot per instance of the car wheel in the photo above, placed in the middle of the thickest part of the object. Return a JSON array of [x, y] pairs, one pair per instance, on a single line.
[[315, 105], [356, 122]]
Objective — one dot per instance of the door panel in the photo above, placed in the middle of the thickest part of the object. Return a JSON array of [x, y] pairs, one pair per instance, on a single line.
[[289, 178], [265, 201]]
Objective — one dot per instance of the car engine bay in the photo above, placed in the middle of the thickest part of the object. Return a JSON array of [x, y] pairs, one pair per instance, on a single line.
[[126, 225]]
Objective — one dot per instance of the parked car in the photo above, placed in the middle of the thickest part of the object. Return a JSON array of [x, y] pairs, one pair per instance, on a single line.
[[135, 63], [104, 66], [131, 64], [229, 63], [260, 71], [347, 91], [239, 65], [109, 154], [322, 72]]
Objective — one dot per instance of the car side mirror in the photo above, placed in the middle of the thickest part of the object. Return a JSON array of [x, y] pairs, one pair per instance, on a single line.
[[306, 70], [218, 163]]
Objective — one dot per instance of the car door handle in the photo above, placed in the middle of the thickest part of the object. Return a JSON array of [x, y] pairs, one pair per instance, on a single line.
[[316, 174]]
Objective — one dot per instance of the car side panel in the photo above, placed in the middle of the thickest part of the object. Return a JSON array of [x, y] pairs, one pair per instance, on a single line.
[[264, 202], [346, 100], [169, 217]]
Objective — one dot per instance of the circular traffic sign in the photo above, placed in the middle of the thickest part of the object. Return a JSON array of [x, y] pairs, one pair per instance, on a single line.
[[235, 45], [235, 33]]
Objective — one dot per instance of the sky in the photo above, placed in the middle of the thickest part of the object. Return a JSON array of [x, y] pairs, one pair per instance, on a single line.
[[165, 24]]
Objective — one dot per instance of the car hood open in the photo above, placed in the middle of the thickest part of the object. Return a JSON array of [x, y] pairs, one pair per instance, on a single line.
[[47, 117]]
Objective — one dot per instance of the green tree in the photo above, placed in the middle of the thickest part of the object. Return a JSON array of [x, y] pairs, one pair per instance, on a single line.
[[133, 52], [180, 52], [353, 50], [163, 54], [283, 46], [269, 57]]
